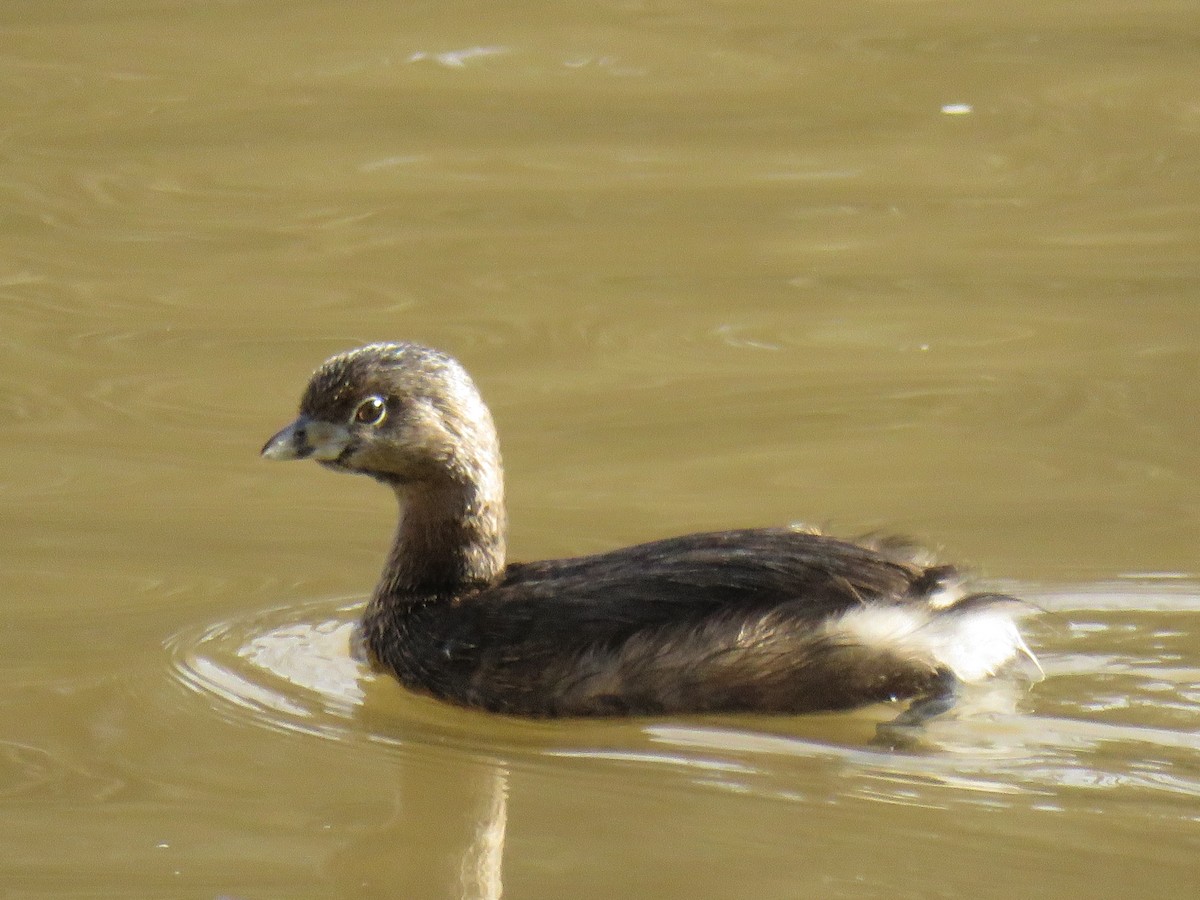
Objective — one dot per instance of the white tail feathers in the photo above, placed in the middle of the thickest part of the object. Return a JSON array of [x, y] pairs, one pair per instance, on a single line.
[[973, 643]]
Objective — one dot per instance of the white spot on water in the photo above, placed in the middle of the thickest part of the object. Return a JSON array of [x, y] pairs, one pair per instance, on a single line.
[[458, 59]]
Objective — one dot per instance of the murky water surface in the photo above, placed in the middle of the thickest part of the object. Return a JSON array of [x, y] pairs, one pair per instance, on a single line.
[[922, 267]]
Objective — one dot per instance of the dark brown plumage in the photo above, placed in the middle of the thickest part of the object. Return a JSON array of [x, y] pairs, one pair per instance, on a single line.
[[767, 620]]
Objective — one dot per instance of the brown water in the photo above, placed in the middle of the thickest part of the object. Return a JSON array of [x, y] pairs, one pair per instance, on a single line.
[[927, 267]]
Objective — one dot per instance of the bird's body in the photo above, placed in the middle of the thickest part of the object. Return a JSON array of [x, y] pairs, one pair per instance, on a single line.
[[766, 620]]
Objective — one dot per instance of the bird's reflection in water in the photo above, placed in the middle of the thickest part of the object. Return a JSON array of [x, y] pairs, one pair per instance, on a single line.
[[482, 863]]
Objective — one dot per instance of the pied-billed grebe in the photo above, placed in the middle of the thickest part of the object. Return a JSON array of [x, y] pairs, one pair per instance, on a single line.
[[766, 620]]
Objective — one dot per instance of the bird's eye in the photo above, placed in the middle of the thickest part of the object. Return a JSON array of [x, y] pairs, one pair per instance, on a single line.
[[371, 411]]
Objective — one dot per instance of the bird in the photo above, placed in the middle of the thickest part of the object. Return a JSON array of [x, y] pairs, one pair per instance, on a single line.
[[777, 620]]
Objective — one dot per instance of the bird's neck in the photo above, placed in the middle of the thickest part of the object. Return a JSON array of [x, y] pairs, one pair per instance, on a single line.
[[450, 538]]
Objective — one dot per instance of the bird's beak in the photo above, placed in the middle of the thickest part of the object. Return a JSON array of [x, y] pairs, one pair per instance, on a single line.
[[308, 439]]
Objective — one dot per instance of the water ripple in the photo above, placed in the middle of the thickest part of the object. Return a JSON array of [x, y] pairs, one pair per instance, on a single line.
[[282, 669]]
